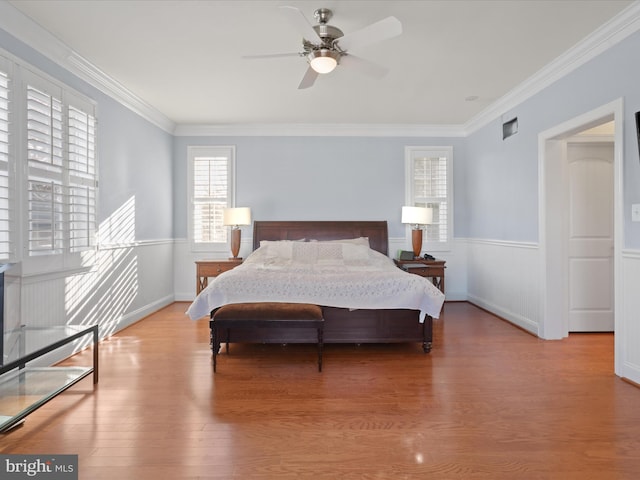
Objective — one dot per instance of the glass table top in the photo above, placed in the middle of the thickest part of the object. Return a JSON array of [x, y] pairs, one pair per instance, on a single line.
[[23, 391]]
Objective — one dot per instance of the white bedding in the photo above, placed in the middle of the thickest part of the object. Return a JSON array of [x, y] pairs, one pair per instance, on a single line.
[[334, 274]]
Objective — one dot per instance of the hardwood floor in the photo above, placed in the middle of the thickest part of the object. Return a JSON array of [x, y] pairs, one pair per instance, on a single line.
[[490, 401]]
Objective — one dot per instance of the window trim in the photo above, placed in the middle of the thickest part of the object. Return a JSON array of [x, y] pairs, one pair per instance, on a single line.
[[447, 151], [209, 150]]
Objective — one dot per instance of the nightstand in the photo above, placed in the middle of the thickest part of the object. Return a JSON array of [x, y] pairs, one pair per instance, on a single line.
[[433, 269], [212, 268]]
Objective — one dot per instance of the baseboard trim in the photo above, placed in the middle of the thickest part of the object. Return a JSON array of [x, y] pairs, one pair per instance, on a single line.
[[141, 313], [519, 321]]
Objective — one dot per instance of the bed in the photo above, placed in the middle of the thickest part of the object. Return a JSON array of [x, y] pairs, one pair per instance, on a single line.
[[353, 312]]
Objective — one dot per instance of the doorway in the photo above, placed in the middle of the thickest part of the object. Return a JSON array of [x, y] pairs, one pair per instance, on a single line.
[[555, 248], [589, 229]]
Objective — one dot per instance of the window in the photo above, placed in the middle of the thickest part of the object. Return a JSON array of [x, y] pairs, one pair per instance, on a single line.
[[428, 172], [211, 177], [61, 178], [48, 171]]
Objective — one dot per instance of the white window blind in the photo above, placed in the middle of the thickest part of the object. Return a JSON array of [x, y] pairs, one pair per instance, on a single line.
[[211, 174], [429, 185], [6, 182], [82, 180], [61, 178], [46, 198]]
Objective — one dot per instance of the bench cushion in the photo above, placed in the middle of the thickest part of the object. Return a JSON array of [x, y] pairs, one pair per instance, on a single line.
[[265, 311]]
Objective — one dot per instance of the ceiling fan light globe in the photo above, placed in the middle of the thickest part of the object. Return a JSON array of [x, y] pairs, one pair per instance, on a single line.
[[323, 61], [323, 64]]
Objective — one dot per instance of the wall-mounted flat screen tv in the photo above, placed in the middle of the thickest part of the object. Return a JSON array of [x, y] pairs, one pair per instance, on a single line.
[[638, 129]]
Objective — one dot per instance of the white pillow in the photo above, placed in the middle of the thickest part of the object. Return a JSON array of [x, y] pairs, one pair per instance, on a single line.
[[304, 252], [330, 253], [352, 252], [353, 241], [278, 248]]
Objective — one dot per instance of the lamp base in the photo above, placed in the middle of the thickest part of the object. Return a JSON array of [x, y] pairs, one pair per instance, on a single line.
[[235, 243], [416, 240]]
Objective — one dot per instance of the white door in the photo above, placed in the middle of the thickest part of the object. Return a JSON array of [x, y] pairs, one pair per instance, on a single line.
[[590, 229]]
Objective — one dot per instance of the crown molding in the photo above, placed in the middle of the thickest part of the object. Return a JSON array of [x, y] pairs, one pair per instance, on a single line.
[[106, 84], [320, 130], [14, 22], [614, 31]]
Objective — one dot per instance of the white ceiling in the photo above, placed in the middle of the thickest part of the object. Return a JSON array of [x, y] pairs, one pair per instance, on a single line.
[[184, 57]]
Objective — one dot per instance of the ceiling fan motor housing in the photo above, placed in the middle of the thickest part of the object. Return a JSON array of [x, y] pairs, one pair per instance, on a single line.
[[327, 33]]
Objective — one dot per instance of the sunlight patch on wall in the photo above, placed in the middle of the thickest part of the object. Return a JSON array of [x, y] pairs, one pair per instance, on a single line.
[[119, 227], [104, 294]]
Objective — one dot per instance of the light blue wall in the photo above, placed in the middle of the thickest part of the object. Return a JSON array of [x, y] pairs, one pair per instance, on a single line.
[[136, 161], [135, 156], [317, 178], [503, 175], [502, 185]]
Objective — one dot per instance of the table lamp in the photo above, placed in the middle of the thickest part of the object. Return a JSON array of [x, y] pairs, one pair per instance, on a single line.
[[235, 217], [416, 216]]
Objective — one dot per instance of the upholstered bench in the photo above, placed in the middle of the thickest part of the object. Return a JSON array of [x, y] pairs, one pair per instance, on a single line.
[[264, 314]]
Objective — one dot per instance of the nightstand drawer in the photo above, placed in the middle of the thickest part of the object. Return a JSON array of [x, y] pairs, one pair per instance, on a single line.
[[213, 269], [428, 271], [422, 271]]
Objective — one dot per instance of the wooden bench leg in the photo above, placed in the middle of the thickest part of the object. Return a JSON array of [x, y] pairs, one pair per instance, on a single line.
[[427, 336]]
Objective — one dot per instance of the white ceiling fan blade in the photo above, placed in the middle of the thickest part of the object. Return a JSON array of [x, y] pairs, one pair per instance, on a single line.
[[376, 32], [300, 22], [364, 66], [271, 55], [309, 79]]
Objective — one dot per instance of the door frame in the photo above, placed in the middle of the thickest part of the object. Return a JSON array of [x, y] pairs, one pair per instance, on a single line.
[[552, 154]]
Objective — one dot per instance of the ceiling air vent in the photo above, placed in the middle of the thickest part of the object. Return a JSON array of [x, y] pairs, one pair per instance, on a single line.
[[509, 128]]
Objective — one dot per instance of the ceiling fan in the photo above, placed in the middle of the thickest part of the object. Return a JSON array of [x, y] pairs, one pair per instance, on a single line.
[[325, 46]]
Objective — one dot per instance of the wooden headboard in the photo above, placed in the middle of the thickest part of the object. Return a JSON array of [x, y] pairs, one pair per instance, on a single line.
[[376, 231]]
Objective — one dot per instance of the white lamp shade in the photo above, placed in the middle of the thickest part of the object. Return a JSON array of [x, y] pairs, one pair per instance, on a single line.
[[323, 61], [236, 216], [417, 215]]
